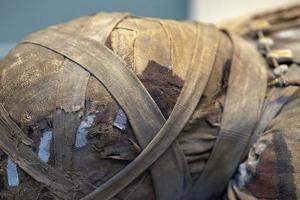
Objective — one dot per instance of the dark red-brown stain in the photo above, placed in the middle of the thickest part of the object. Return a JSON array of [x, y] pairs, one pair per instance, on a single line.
[[264, 184], [163, 86], [275, 173]]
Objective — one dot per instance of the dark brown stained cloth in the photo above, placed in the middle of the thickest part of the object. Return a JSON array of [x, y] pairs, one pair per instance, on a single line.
[[159, 52], [273, 161], [33, 95]]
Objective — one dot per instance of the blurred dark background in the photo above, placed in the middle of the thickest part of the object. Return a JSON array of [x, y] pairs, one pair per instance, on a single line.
[[18, 18]]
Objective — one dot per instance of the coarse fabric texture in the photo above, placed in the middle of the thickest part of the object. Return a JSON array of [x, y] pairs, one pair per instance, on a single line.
[[271, 170], [47, 87], [174, 90]]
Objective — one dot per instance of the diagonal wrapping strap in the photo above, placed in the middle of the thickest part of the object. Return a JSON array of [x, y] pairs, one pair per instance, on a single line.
[[274, 103], [199, 72], [243, 104], [70, 96], [15, 143], [13, 128], [109, 69], [144, 115], [25, 158]]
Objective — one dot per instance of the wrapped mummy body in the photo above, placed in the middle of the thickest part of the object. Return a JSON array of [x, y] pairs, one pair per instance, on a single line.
[[112, 106]]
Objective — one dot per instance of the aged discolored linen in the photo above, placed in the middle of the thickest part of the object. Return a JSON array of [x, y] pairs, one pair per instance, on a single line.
[[143, 108], [271, 168]]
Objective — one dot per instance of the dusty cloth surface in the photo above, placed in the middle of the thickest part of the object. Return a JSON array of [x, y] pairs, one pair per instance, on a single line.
[[271, 168], [159, 52], [31, 79]]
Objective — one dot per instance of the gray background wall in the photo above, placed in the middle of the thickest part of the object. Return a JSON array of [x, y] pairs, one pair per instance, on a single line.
[[18, 18], [217, 10]]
